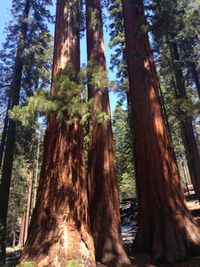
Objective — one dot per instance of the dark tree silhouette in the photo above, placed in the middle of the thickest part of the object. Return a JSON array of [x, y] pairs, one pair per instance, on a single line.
[[10, 130]]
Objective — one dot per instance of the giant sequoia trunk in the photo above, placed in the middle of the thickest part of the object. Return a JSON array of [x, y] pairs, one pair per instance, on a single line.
[[104, 198], [11, 130], [59, 230], [166, 228], [192, 152]]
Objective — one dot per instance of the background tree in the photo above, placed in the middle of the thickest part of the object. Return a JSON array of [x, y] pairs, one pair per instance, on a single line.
[[171, 41], [20, 67], [10, 136], [123, 152]]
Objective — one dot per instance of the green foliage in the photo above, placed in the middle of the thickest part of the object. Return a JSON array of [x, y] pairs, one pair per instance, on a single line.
[[66, 99], [38, 47], [96, 78], [177, 22], [176, 109], [28, 28], [117, 40], [17, 195], [93, 18], [39, 102], [123, 146]]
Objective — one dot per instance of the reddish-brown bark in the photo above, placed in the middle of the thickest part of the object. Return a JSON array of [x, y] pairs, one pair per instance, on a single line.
[[166, 228], [59, 230], [103, 192]]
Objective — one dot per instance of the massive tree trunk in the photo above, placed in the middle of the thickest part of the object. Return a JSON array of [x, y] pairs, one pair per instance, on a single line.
[[167, 229], [192, 152], [11, 130], [103, 192], [59, 230]]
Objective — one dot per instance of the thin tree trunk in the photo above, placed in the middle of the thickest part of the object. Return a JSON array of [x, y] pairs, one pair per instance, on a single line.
[[4, 133], [10, 140], [26, 215], [27, 212], [59, 228], [165, 114], [21, 233], [196, 78], [192, 152], [35, 182], [181, 125], [167, 229], [28, 205], [103, 192]]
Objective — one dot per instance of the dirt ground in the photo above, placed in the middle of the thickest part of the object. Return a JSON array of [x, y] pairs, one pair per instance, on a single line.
[[139, 260], [143, 260]]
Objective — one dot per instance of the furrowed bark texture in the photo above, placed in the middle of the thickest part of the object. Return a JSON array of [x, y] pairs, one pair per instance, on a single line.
[[166, 228], [104, 198], [59, 230]]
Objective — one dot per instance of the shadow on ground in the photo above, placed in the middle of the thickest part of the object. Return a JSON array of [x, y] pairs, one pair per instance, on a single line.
[[129, 214]]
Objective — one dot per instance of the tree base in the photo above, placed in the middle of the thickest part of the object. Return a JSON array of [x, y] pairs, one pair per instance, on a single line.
[[172, 242], [113, 254], [59, 247]]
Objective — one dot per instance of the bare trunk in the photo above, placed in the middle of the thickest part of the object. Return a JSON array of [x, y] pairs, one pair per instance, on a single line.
[[26, 215], [21, 241], [103, 192], [166, 228], [35, 182], [196, 78], [59, 230], [4, 133]]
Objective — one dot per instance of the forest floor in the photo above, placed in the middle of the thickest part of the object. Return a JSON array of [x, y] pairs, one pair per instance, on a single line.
[[129, 228]]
